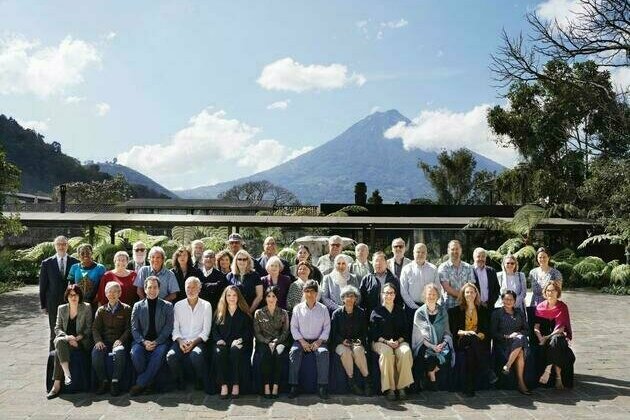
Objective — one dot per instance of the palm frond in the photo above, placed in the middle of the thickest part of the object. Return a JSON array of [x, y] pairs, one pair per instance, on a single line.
[[491, 223], [605, 237]]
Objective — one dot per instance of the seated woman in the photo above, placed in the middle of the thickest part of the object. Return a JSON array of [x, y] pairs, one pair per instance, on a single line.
[[121, 275], [274, 277], [332, 283], [246, 279], [512, 279], [348, 334], [271, 329], [552, 327], [231, 333], [431, 336], [469, 324], [112, 332], [294, 295], [389, 335], [73, 332], [183, 269], [509, 337], [304, 254]]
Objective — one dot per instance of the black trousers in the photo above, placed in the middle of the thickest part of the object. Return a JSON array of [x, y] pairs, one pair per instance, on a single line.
[[228, 362], [476, 355], [271, 366]]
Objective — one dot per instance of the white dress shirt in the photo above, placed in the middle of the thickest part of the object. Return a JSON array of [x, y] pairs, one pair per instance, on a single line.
[[192, 323], [413, 278]]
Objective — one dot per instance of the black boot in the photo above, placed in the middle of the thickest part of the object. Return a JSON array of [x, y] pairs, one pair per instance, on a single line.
[[323, 392], [354, 388], [368, 386], [102, 388]]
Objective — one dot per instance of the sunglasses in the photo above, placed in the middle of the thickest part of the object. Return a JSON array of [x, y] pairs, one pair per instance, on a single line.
[[510, 263], [140, 249], [242, 259]]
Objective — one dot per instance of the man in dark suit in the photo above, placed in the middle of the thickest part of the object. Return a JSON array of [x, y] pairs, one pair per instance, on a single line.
[[270, 249], [53, 282], [151, 327], [138, 257], [213, 281], [485, 279]]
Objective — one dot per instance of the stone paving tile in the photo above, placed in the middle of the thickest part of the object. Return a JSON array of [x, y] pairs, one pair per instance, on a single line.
[[602, 381]]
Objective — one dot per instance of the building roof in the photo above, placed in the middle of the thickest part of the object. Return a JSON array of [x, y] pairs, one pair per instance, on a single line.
[[162, 203], [169, 220]]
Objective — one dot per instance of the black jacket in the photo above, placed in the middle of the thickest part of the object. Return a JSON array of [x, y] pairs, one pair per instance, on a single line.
[[233, 327], [212, 286], [389, 325], [457, 321], [348, 327], [493, 285], [52, 283], [370, 290]]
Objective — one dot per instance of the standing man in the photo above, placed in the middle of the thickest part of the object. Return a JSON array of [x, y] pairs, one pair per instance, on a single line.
[[485, 279], [52, 282], [270, 249], [414, 277], [362, 266], [169, 286], [213, 281], [326, 262], [139, 257], [197, 253], [372, 284], [454, 273], [398, 261], [193, 319], [151, 328]]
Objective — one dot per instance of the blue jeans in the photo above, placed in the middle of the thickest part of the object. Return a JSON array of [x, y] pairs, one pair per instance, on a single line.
[[119, 355], [197, 357], [147, 363], [295, 362]]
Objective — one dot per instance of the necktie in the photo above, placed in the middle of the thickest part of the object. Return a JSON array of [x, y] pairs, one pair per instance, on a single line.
[[62, 268]]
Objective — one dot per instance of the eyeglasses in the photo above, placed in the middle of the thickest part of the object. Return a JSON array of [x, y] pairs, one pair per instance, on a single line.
[[139, 249], [510, 263], [242, 259]]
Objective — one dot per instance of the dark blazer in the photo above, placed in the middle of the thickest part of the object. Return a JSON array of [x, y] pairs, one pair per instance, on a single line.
[[84, 323], [370, 290], [212, 286], [346, 327], [262, 271], [457, 321], [233, 327], [493, 285], [52, 284], [132, 265], [163, 321]]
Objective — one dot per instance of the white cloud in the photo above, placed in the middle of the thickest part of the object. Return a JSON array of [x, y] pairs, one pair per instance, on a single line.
[[395, 24], [288, 75], [38, 126], [210, 138], [374, 109], [621, 78], [102, 109], [299, 152], [74, 99], [441, 129], [111, 35], [28, 67], [564, 11], [279, 104]]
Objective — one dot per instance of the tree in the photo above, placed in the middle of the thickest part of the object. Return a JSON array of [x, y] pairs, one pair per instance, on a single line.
[[9, 182], [375, 198], [454, 179], [360, 194], [256, 191], [109, 191]]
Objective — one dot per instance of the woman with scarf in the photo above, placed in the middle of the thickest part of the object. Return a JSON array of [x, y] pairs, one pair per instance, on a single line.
[[509, 338], [552, 327], [431, 338], [335, 281]]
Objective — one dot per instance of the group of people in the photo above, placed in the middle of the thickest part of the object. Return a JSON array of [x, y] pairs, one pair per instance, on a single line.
[[217, 309]]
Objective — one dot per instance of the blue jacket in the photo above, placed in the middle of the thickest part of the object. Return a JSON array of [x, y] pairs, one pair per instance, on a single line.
[[163, 321]]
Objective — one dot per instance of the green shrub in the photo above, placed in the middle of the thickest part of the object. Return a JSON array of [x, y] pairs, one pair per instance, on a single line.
[[349, 253], [214, 243], [511, 246], [620, 275], [37, 253], [567, 273], [104, 253], [288, 254], [588, 272]]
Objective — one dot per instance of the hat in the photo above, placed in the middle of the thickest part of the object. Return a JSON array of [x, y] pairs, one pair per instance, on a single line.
[[235, 237]]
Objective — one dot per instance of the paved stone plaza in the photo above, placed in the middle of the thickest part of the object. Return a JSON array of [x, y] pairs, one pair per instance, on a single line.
[[601, 329]]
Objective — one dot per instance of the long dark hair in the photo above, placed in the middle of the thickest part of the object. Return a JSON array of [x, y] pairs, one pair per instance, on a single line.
[[189, 265], [222, 306]]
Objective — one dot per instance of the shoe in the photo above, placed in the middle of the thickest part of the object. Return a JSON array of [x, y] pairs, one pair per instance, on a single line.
[[505, 370], [235, 396], [323, 392], [274, 396], [492, 377], [390, 395], [136, 390], [525, 391], [368, 387], [293, 392], [102, 388], [402, 395], [67, 381], [559, 384], [224, 396], [356, 390], [267, 396], [115, 389], [53, 394]]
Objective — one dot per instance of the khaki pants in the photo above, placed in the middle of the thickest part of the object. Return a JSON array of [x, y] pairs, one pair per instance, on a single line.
[[351, 355], [395, 365]]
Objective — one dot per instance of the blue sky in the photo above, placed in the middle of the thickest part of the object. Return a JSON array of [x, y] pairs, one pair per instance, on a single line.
[[196, 92]]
